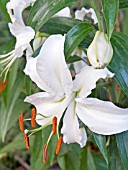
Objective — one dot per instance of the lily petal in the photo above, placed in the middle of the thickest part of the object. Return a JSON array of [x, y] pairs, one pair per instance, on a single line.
[[80, 14], [47, 106], [89, 78], [17, 6], [51, 61], [64, 13], [102, 117], [70, 130], [30, 70], [23, 34]]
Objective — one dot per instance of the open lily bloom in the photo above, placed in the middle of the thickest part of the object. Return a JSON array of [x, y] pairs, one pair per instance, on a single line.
[[15, 9], [24, 34], [50, 72]]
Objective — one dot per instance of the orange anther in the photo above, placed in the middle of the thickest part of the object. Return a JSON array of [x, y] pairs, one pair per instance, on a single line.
[[45, 153], [2, 85], [33, 119], [26, 138], [59, 143], [54, 125], [21, 122]]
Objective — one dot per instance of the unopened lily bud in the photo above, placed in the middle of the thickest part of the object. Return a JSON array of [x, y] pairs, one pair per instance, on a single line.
[[100, 51]]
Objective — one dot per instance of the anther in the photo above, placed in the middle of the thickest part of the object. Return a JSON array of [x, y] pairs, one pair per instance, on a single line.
[[59, 143], [26, 138], [3, 85], [21, 122], [33, 119], [45, 153], [54, 125]]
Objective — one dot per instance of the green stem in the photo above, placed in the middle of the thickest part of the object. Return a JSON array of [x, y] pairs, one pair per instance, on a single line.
[[98, 14]]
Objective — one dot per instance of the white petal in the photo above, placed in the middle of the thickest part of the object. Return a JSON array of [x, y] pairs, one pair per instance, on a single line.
[[70, 130], [23, 34], [93, 16], [30, 70], [48, 106], [17, 6], [80, 14], [64, 13], [52, 68], [102, 117], [86, 80], [79, 64]]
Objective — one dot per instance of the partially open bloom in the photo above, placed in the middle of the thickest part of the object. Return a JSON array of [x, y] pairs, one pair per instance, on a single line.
[[24, 34], [50, 72], [100, 51]]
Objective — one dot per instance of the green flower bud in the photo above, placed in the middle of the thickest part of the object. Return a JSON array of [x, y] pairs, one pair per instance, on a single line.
[[100, 51]]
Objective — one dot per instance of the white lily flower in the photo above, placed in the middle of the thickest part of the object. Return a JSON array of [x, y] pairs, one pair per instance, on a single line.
[[65, 12], [80, 14], [24, 34], [15, 9], [50, 72]]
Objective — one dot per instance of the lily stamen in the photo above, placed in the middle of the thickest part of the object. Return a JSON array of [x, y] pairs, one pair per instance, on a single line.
[[26, 138], [59, 143], [54, 125], [33, 119], [21, 122], [45, 153]]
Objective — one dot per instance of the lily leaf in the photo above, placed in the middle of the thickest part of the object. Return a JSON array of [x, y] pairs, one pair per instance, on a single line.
[[43, 10], [119, 63], [75, 36], [101, 143], [123, 3], [59, 25], [122, 144], [110, 9]]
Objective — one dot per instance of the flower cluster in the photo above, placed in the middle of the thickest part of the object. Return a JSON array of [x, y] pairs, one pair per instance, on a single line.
[[61, 96]]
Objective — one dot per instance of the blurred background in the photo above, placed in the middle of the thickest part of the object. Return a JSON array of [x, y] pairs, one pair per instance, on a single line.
[[13, 153]]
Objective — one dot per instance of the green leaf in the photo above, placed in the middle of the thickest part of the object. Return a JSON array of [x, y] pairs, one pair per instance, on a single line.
[[37, 149], [101, 143], [59, 25], [73, 59], [4, 10], [114, 157], [90, 161], [83, 158], [16, 144], [75, 36], [123, 3], [69, 158], [122, 144], [110, 9], [43, 10], [119, 63]]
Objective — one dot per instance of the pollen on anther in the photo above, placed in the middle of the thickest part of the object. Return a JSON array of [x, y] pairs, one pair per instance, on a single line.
[[59, 143], [2, 86], [54, 125], [45, 153], [21, 122], [26, 139], [33, 119]]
